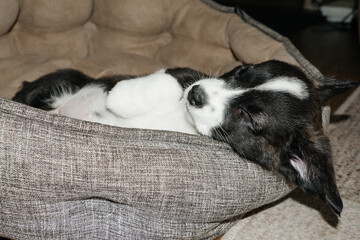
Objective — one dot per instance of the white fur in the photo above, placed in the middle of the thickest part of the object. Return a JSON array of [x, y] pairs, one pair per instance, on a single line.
[[212, 113], [170, 117], [289, 85], [157, 101], [151, 102], [218, 95], [134, 97], [87, 104], [300, 166]]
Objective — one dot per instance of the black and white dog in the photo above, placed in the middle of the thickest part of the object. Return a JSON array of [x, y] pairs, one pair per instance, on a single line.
[[270, 113]]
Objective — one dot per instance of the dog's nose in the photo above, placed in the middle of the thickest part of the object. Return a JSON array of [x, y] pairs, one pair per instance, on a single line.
[[197, 96]]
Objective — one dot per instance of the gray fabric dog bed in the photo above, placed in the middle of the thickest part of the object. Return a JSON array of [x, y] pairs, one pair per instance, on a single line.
[[68, 179]]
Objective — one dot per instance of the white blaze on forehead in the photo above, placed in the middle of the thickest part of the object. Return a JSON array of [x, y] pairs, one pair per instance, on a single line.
[[212, 114], [293, 86]]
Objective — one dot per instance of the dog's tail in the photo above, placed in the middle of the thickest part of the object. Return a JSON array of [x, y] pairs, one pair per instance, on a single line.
[[42, 92]]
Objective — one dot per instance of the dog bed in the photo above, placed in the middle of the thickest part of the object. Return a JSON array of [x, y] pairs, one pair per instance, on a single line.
[[65, 178]]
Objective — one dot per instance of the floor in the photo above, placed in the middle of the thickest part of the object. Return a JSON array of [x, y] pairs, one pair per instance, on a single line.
[[333, 48]]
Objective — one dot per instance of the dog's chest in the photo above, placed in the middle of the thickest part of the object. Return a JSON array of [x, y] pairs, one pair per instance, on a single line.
[[150, 103], [166, 117]]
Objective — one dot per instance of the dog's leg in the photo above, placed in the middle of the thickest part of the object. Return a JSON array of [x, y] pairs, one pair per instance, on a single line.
[[135, 97], [42, 92]]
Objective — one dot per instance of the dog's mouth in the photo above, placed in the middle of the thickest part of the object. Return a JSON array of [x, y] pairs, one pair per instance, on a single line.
[[205, 104], [194, 119], [189, 116]]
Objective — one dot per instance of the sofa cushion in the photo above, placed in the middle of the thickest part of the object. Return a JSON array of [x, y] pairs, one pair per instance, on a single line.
[[54, 16], [9, 10]]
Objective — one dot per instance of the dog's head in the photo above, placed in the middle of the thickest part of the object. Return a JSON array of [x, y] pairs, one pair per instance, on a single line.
[[269, 113]]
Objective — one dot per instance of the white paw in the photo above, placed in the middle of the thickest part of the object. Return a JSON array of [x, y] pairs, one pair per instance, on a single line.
[[134, 97]]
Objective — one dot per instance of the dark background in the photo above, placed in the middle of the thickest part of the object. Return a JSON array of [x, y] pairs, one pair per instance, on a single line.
[[334, 48]]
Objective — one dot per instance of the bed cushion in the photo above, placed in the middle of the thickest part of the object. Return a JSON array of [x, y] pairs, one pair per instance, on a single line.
[[61, 174], [66, 178]]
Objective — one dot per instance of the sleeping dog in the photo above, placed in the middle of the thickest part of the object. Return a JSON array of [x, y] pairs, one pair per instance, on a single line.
[[270, 113]]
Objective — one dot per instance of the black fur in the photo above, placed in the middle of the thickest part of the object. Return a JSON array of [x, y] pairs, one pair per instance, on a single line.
[[38, 93], [186, 76], [331, 87], [273, 129]]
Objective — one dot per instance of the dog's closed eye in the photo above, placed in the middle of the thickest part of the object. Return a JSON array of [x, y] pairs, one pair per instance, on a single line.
[[253, 116]]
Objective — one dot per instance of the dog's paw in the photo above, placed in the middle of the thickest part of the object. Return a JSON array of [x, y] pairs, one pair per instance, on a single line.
[[134, 97]]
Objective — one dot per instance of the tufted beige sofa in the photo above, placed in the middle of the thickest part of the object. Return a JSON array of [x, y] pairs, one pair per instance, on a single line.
[[127, 36], [64, 178]]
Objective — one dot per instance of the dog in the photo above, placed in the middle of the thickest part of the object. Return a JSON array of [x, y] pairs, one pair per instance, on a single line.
[[269, 113]]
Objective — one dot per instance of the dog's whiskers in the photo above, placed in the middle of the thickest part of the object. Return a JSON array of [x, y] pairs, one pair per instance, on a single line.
[[222, 134]]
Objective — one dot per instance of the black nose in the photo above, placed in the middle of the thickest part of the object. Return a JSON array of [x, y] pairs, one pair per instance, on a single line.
[[197, 96]]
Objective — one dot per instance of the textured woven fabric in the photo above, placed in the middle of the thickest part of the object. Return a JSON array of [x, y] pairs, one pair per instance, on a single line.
[[66, 177]]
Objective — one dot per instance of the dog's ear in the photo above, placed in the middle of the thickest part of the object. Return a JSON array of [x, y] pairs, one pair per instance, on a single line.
[[236, 71], [186, 76], [308, 164], [330, 87]]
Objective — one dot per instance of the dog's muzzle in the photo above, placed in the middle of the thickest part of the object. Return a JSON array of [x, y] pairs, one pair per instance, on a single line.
[[197, 97]]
